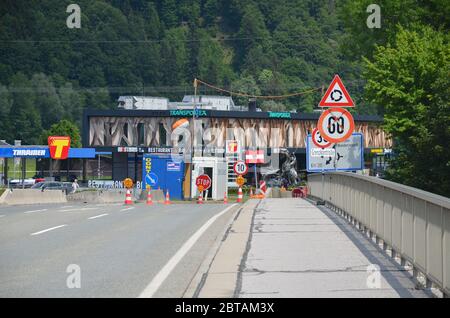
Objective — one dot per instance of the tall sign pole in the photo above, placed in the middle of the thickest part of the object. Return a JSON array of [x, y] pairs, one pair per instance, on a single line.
[[193, 134]]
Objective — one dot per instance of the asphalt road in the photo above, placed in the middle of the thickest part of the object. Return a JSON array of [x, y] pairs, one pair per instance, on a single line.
[[118, 250]]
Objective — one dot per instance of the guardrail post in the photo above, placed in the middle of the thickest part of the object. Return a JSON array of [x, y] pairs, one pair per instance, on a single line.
[[402, 261]]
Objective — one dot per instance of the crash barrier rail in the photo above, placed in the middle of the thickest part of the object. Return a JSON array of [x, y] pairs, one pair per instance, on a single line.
[[415, 224]]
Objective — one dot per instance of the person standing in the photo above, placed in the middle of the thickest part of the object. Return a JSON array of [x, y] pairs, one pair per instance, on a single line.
[[75, 185]]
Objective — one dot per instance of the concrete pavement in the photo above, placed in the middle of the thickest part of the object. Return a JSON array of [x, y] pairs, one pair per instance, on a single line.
[[118, 249], [299, 250], [292, 248]]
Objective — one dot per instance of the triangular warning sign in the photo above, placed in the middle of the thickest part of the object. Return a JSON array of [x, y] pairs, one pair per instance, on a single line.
[[336, 95]]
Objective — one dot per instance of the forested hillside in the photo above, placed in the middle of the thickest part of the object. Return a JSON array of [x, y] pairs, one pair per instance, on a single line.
[[49, 72]]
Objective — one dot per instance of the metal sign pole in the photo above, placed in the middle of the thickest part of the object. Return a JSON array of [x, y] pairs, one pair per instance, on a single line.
[[256, 180]]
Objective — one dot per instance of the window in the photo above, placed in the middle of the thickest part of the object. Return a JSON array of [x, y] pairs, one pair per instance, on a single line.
[[162, 135], [141, 134]]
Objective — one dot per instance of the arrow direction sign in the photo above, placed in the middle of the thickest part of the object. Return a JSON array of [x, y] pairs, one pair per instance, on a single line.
[[344, 156]]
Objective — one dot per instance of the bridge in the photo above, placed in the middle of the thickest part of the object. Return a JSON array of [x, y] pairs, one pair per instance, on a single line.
[[412, 226]]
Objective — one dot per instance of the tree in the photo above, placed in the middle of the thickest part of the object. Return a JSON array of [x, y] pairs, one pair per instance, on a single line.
[[5, 108], [410, 80], [24, 115], [64, 128], [245, 84]]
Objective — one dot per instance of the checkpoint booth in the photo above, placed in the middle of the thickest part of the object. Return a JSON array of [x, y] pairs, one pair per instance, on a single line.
[[164, 172], [217, 169]]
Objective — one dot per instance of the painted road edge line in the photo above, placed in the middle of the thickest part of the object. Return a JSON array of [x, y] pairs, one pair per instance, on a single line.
[[159, 278], [50, 229], [33, 211], [98, 216], [126, 209]]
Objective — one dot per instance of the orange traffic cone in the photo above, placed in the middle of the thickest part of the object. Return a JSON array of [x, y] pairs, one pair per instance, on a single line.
[[251, 192], [225, 199], [200, 198], [167, 201], [128, 197], [149, 197], [239, 198]]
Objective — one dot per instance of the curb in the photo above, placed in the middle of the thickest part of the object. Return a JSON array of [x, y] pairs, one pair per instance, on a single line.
[[203, 284]]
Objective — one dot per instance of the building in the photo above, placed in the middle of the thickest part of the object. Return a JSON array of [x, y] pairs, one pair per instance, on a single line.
[[125, 134]]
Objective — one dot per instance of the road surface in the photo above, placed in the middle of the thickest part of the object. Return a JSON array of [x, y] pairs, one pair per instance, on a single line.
[[297, 249], [117, 250]]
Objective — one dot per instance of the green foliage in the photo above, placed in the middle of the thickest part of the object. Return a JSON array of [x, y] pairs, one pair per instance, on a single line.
[[64, 128], [410, 80]]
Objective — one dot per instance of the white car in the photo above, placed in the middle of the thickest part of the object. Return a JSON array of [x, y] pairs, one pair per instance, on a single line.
[[17, 183]]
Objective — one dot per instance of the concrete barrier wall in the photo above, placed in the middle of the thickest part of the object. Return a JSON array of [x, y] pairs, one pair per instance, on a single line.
[[34, 196], [3, 196], [98, 196]]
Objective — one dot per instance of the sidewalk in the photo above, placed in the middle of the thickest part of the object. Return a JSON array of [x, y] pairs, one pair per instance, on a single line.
[[299, 250]]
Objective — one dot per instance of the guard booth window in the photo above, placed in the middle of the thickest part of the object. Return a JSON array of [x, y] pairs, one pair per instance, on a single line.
[[162, 135], [141, 134]]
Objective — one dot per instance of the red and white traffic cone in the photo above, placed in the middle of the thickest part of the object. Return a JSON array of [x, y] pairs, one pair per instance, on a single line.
[[200, 198], [128, 197], [251, 192], [225, 199], [239, 198], [149, 197], [167, 201]]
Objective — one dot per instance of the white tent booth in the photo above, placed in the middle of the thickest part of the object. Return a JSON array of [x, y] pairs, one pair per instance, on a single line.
[[217, 170]]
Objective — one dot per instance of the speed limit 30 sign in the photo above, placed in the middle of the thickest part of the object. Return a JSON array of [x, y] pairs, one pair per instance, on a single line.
[[336, 125], [240, 168], [318, 140]]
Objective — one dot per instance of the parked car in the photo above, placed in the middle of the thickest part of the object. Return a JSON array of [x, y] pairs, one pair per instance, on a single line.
[[53, 185], [17, 183]]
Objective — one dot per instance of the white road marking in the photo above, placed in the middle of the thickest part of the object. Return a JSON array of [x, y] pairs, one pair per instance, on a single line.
[[126, 209], [97, 216], [42, 210], [67, 206], [77, 209], [157, 281], [46, 230]]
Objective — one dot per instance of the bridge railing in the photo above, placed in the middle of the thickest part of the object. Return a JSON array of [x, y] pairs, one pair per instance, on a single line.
[[415, 224]]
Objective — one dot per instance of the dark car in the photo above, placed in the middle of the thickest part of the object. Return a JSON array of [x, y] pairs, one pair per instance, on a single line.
[[53, 185]]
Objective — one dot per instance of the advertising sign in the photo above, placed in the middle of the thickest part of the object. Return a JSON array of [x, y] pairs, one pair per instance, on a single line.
[[59, 146]]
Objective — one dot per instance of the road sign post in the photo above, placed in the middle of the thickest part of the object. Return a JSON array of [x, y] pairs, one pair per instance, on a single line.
[[336, 125], [318, 140], [203, 182], [240, 168], [336, 95], [343, 156]]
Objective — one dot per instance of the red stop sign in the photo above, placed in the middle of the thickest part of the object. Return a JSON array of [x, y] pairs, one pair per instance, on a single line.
[[203, 180]]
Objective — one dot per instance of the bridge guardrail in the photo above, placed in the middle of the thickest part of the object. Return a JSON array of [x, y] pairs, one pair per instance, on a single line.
[[414, 223]]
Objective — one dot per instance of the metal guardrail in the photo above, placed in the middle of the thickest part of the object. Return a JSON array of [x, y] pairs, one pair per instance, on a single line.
[[414, 223]]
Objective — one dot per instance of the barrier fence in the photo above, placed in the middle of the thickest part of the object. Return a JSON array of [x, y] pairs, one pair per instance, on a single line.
[[415, 224]]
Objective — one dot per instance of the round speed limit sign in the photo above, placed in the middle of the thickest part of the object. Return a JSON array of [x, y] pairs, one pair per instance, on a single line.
[[336, 125], [318, 140], [240, 168]]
